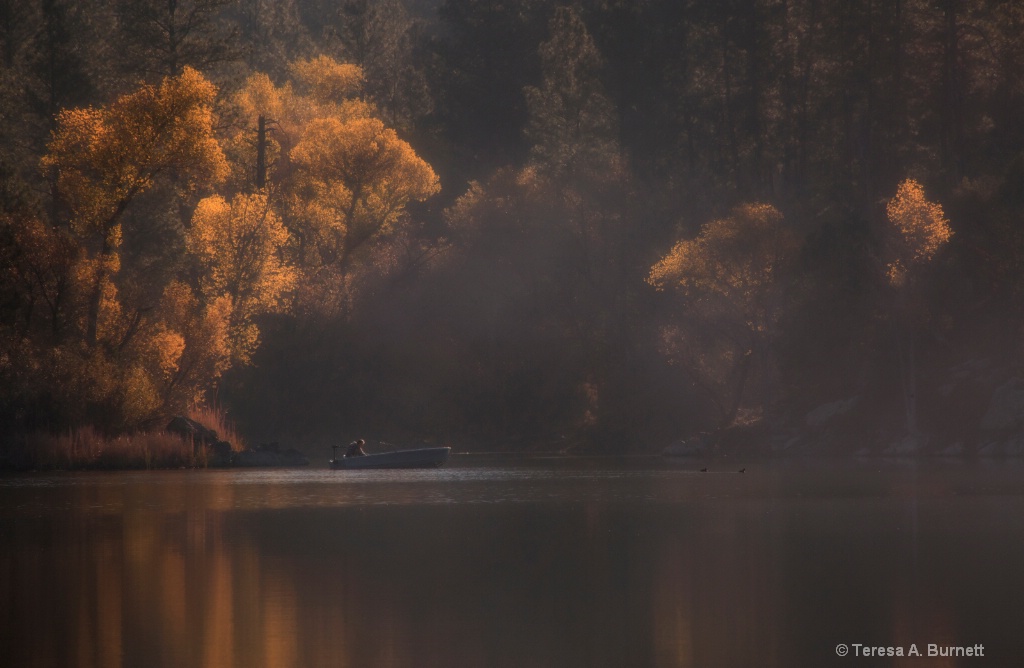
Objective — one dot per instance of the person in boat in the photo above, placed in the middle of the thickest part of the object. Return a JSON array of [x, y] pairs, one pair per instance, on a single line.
[[355, 449]]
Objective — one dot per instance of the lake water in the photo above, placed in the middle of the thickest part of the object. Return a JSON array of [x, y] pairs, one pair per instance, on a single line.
[[502, 562]]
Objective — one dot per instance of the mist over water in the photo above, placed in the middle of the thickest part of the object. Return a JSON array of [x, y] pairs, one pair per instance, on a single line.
[[539, 562]]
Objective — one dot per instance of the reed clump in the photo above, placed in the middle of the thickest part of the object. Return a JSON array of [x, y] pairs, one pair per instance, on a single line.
[[86, 448], [216, 418]]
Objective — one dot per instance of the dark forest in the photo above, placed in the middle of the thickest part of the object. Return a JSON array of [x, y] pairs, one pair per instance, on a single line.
[[604, 226]]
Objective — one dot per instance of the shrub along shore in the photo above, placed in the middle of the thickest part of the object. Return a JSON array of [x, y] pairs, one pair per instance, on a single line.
[[207, 441], [87, 449]]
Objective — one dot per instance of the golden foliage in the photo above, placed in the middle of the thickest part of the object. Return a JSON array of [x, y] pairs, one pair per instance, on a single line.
[[319, 211], [363, 152], [325, 91], [361, 176], [105, 157], [140, 398], [239, 248], [343, 177], [734, 257], [259, 96], [920, 229], [161, 363], [167, 348], [730, 273], [327, 80], [204, 330]]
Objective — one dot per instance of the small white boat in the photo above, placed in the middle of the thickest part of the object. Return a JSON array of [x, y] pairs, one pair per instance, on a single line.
[[400, 459]]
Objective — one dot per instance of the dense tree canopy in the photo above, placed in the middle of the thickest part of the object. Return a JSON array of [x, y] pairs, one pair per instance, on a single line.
[[599, 224]]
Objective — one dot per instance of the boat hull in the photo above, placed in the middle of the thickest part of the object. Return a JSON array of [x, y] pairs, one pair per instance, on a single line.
[[401, 459]]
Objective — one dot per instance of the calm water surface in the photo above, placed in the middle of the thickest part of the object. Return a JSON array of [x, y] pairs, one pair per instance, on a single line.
[[541, 562]]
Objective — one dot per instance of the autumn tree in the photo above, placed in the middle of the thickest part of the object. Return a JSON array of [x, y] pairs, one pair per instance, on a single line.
[[88, 352], [917, 230], [339, 178], [363, 176], [152, 359], [340, 181], [105, 158], [730, 277], [319, 87], [191, 343], [239, 247], [325, 81]]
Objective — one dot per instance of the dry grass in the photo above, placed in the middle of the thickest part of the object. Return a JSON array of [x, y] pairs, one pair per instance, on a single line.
[[216, 418], [85, 448]]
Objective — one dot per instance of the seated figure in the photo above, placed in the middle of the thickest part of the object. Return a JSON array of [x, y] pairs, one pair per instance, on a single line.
[[355, 449]]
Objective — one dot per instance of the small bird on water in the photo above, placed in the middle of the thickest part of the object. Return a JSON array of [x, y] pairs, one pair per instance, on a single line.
[[704, 470], [743, 470]]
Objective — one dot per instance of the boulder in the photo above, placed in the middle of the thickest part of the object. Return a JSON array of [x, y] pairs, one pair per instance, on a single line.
[[220, 454], [218, 451], [191, 430]]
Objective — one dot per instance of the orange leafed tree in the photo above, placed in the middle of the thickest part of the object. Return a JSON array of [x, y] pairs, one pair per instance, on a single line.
[[326, 80], [320, 88], [337, 176], [105, 158], [346, 177], [918, 229], [129, 364], [239, 245], [733, 259], [371, 174], [191, 342], [729, 276]]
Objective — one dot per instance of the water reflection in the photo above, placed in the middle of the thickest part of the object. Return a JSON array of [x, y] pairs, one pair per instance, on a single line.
[[555, 564]]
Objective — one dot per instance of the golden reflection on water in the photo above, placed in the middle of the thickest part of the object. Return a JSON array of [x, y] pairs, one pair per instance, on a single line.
[[189, 586], [134, 587], [666, 571], [673, 614]]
